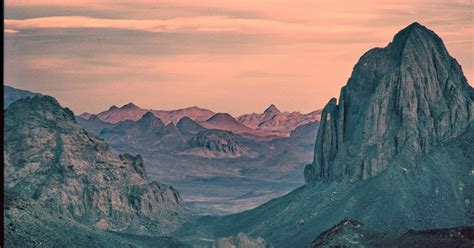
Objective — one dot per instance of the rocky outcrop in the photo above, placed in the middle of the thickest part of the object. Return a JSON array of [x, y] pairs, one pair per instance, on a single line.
[[399, 103], [49, 158], [241, 240], [217, 143]]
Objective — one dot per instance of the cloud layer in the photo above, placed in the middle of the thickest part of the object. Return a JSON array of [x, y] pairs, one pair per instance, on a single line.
[[236, 56]]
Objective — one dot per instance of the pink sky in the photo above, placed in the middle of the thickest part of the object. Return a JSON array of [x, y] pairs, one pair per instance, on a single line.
[[228, 56]]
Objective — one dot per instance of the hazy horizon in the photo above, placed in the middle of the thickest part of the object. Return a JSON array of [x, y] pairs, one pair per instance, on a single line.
[[233, 56]]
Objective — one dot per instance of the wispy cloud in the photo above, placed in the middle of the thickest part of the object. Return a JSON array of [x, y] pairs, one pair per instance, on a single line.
[[173, 53]]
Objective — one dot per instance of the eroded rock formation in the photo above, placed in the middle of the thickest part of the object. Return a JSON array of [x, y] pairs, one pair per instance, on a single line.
[[399, 103]]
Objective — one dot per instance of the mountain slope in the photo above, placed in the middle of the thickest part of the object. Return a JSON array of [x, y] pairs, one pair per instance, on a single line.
[[186, 125], [28, 224], [49, 158], [93, 124], [396, 153], [11, 95], [147, 133], [224, 121]]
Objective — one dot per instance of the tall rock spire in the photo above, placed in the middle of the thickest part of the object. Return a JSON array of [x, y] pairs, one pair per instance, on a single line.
[[399, 103]]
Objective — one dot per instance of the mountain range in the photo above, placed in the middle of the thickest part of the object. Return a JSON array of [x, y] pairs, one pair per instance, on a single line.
[[200, 160], [265, 126], [394, 152]]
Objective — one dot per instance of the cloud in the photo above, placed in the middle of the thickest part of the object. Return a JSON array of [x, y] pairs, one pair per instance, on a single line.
[[10, 31], [176, 53], [188, 24]]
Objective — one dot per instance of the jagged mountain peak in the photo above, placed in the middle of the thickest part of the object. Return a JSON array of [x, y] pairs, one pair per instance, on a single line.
[[150, 119], [129, 106], [400, 102], [271, 110], [93, 117], [187, 125], [222, 117]]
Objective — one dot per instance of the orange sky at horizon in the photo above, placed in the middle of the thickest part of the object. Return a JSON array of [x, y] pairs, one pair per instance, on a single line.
[[236, 56]]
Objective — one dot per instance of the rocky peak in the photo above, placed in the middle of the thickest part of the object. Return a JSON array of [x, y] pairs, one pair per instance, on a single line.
[[150, 120], [129, 106], [93, 117], [113, 107], [187, 125], [271, 110], [399, 103], [221, 117], [49, 158]]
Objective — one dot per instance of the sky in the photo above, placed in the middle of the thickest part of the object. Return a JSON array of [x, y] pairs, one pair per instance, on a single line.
[[235, 56]]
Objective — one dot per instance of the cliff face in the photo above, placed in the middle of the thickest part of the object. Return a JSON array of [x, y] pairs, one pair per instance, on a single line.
[[400, 102], [49, 158]]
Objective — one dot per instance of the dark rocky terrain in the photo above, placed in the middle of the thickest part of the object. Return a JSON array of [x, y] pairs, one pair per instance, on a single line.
[[351, 233], [396, 153], [51, 159], [28, 224]]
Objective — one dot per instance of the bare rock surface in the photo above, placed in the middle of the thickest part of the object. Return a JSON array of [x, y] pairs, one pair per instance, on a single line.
[[49, 158], [400, 102]]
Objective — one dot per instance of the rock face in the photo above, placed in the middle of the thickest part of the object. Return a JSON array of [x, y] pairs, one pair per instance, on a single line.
[[400, 102], [217, 143], [49, 158], [29, 224], [11, 95], [274, 122]]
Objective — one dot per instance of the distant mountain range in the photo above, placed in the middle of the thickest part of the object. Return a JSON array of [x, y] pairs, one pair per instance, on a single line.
[[271, 123], [132, 112]]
